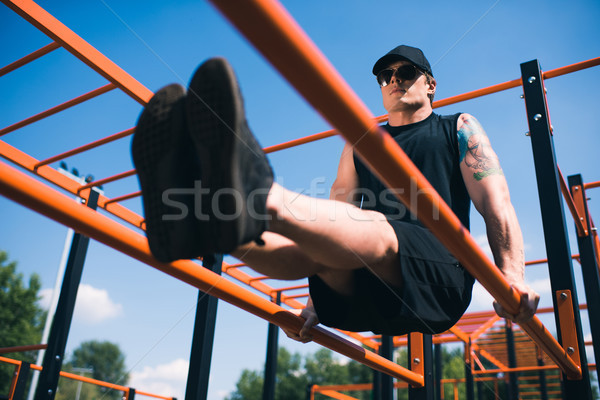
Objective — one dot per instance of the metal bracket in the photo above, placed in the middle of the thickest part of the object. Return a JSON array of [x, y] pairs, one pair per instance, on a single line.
[[579, 201], [568, 333]]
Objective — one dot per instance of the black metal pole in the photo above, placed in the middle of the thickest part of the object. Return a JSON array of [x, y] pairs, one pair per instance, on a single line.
[[553, 217], [589, 268], [427, 391], [19, 392], [387, 382], [61, 323], [542, 377], [203, 337], [271, 361], [131, 394], [439, 373], [469, 386], [376, 393], [513, 377]]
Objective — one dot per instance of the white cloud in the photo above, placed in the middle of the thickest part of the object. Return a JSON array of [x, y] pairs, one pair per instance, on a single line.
[[93, 305], [164, 379], [482, 300]]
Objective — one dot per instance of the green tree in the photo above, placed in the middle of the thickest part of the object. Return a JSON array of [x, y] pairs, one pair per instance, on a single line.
[[295, 373], [70, 389], [107, 362], [21, 318]]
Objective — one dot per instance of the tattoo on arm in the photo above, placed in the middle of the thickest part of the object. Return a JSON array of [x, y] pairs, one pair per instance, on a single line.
[[475, 149]]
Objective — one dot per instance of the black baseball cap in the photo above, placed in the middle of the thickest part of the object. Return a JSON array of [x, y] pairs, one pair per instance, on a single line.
[[403, 52]]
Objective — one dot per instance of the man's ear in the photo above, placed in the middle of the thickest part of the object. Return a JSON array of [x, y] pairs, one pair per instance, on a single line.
[[432, 85]]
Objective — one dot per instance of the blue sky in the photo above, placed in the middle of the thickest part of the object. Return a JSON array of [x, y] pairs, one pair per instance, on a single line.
[[470, 44]]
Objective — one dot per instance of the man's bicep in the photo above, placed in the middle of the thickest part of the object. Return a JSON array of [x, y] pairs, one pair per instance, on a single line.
[[346, 182], [479, 163]]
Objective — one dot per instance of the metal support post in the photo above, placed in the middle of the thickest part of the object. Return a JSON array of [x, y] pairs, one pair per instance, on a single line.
[[21, 384], [589, 266], [203, 337], [131, 394], [439, 372], [426, 392], [271, 361], [469, 386], [553, 217], [387, 382], [61, 324], [542, 376], [513, 377]]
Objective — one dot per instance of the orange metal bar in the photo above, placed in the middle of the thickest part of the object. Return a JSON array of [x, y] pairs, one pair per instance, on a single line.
[[416, 352], [123, 198], [10, 361], [484, 327], [579, 221], [93, 381], [591, 185], [564, 303], [516, 369], [35, 195], [579, 202], [109, 179], [52, 175], [29, 58], [18, 349], [156, 396], [57, 31], [58, 108], [553, 73], [268, 26], [283, 289], [86, 147], [336, 395]]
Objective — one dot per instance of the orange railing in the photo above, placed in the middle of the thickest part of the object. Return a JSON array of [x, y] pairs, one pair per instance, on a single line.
[[84, 379], [321, 85]]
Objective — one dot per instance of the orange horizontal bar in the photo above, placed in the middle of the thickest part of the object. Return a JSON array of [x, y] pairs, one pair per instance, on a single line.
[[591, 185], [10, 361], [29, 58], [268, 26], [109, 179], [553, 73], [86, 147], [18, 349], [336, 395], [290, 288], [156, 396], [57, 31], [516, 369], [297, 296], [123, 198], [35, 195], [93, 381], [58, 108]]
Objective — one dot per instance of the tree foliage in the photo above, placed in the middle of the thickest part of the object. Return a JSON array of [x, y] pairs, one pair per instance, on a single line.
[[107, 362], [21, 318], [295, 373]]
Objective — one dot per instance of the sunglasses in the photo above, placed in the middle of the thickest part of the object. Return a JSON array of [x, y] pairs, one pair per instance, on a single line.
[[406, 72]]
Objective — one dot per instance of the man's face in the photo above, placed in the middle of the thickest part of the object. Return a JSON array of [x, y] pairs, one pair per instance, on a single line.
[[406, 95]]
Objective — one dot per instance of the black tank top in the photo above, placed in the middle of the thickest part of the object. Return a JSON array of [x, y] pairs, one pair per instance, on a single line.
[[432, 145]]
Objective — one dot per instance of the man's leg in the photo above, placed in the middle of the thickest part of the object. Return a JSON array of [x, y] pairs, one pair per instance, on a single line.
[[310, 236]]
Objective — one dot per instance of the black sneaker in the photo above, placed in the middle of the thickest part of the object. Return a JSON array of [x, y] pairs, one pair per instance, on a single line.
[[167, 170], [234, 167]]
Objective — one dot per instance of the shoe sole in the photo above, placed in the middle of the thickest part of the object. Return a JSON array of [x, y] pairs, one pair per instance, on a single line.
[[159, 136], [214, 123]]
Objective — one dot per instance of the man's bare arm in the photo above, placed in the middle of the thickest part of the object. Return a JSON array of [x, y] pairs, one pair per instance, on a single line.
[[488, 189]]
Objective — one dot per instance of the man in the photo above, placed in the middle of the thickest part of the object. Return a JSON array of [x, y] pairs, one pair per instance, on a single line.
[[372, 268]]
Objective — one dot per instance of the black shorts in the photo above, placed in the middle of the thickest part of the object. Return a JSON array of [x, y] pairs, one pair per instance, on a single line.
[[435, 293]]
